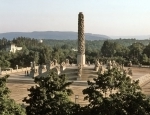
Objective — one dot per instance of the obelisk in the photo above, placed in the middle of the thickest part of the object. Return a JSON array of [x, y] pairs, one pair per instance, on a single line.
[[81, 40]]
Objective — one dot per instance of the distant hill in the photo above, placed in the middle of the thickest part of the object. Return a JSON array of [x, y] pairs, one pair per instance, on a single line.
[[57, 35]]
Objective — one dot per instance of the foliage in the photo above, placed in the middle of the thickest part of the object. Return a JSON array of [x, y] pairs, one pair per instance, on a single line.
[[147, 50], [128, 49], [4, 59], [107, 49], [7, 105], [50, 96], [136, 52], [113, 93]]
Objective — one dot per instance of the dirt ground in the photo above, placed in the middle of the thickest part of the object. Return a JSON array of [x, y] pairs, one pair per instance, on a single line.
[[19, 90]]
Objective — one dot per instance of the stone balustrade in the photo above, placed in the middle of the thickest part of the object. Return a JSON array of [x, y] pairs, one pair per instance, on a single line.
[[16, 70]]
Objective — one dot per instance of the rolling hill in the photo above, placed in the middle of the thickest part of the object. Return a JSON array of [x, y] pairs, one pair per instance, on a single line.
[[57, 35]]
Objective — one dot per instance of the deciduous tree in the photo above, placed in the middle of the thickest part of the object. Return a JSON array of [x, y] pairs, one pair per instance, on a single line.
[[113, 93], [7, 105], [50, 96]]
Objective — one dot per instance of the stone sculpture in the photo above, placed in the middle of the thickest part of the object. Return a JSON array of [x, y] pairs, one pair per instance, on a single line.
[[130, 64], [81, 40], [130, 71], [101, 70], [62, 66], [97, 64], [114, 65], [109, 65], [67, 61], [79, 70]]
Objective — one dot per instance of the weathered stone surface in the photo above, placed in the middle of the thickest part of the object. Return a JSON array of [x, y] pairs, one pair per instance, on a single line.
[[81, 40], [97, 64], [67, 62], [79, 71], [130, 64], [62, 66], [130, 72]]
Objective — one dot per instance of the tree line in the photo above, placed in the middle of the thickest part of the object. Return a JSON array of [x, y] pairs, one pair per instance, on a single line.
[[32, 50], [121, 50]]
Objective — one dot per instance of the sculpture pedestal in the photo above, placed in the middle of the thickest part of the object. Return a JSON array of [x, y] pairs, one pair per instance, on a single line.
[[81, 59], [79, 77]]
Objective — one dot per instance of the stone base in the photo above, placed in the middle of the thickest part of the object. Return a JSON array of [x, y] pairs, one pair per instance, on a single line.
[[78, 78], [81, 59]]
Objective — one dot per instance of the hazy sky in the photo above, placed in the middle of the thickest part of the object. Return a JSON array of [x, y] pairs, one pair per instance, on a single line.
[[108, 17]]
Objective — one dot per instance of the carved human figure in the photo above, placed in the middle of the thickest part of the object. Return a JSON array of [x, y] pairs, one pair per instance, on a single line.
[[62, 66], [97, 64], [109, 64], [130, 64], [81, 39], [114, 65], [67, 61], [101, 69], [130, 72], [79, 70]]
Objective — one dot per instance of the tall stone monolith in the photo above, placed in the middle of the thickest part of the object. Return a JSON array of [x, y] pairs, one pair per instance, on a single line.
[[81, 40]]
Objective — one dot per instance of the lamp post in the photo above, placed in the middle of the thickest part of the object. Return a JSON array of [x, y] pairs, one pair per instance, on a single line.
[[76, 98]]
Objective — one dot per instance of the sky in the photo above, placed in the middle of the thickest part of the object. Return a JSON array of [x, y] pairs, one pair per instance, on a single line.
[[107, 17]]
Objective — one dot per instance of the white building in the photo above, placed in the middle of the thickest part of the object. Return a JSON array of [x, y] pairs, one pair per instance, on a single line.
[[40, 41], [13, 48], [74, 49]]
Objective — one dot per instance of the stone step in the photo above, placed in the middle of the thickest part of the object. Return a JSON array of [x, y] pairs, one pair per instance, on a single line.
[[71, 73], [88, 73]]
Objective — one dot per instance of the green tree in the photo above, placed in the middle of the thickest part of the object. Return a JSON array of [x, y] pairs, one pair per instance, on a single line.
[[145, 59], [147, 50], [113, 93], [50, 96], [136, 51], [107, 49], [110, 49], [7, 105], [4, 59], [44, 54]]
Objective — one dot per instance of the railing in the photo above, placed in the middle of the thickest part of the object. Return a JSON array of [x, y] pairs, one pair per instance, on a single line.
[[16, 70]]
